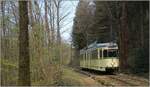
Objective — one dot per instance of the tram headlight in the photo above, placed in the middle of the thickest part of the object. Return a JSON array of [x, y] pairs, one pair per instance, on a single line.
[[113, 63]]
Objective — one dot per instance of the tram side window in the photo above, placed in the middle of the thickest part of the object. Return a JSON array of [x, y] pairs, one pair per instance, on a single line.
[[105, 53], [94, 54]]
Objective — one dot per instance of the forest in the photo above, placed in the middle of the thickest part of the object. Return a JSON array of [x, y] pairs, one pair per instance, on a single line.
[[126, 23], [34, 50]]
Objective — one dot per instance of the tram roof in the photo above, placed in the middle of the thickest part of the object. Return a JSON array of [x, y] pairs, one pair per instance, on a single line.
[[99, 45]]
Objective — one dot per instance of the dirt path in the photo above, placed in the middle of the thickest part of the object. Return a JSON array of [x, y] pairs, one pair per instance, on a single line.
[[90, 82], [85, 78], [77, 79]]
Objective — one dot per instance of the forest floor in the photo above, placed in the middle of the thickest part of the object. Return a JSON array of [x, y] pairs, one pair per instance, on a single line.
[[86, 78], [144, 75], [72, 78]]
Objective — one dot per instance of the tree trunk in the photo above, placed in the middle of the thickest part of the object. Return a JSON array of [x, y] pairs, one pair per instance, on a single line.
[[24, 58], [110, 22], [142, 27], [58, 42], [31, 15], [53, 20], [57, 4], [124, 37], [47, 28], [3, 43]]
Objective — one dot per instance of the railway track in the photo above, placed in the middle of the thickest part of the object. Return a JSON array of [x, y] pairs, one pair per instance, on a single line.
[[116, 80], [135, 78], [126, 81]]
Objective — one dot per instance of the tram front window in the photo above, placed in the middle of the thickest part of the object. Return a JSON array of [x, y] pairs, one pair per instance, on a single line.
[[110, 53]]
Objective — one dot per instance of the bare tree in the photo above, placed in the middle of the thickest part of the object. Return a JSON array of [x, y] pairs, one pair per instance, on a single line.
[[31, 14], [14, 10], [3, 25], [3, 41], [47, 26]]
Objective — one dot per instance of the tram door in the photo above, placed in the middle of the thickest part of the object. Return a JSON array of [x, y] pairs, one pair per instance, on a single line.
[[88, 59], [84, 59]]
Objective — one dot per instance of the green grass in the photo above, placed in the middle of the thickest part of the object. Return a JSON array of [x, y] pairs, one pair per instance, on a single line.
[[71, 78], [9, 71]]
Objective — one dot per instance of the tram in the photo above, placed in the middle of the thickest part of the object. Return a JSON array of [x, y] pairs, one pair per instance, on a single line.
[[100, 56]]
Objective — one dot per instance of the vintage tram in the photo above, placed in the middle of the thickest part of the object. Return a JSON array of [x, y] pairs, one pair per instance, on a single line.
[[100, 56]]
